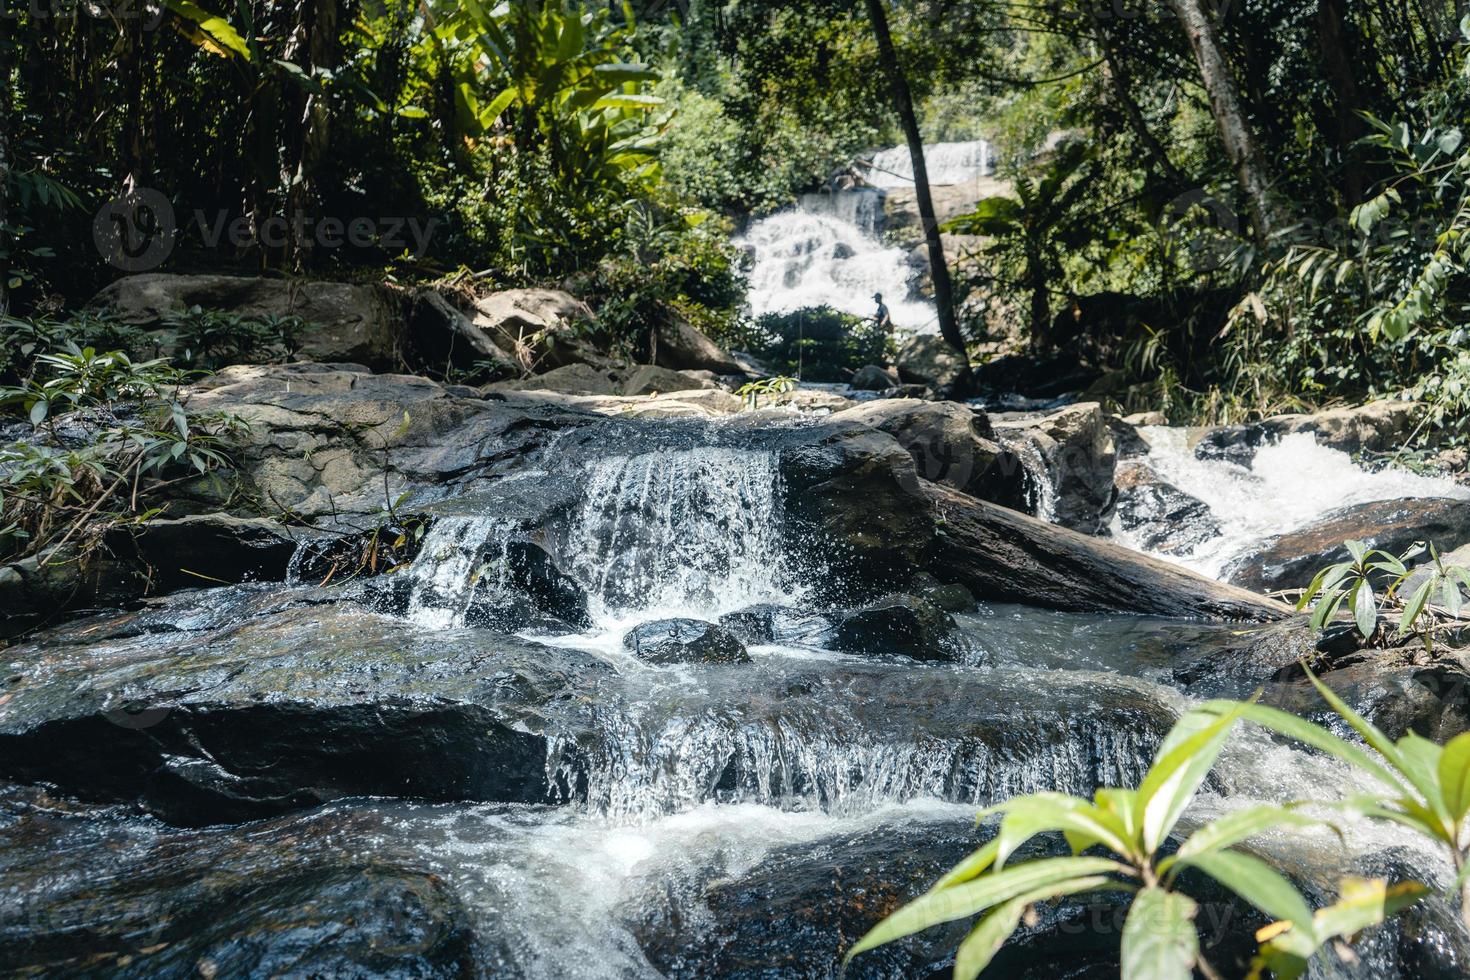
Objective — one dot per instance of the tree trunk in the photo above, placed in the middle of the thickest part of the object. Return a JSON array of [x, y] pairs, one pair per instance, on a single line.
[[903, 102], [1225, 105], [1334, 45], [6, 244]]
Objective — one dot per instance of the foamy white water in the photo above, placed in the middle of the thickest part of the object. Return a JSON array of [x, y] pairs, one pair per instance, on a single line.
[[1290, 484], [802, 259], [947, 163]]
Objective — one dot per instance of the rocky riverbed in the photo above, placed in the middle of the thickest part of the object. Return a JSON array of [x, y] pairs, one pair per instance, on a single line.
[[598, 673]]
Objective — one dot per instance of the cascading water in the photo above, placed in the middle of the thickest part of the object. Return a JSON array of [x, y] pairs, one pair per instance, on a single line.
[[803, 258], [947, 163], [459, 557], [684, 532], [1290, 484]]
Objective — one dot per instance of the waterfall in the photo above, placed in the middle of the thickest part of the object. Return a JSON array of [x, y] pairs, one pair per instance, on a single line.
[[1290, 484], [804, 258], [947, 163], [680, 530], [458, 559], [1041, 491], [861, 207]]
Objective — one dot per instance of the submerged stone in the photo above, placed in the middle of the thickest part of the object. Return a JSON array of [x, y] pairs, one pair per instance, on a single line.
[[685, 641], [901, 624]]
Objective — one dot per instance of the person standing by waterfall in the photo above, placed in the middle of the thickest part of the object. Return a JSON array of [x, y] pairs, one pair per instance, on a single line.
[[882, 319]]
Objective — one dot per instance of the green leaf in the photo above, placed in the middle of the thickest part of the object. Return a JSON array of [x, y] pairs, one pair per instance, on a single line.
[[1178, 771], [977, 863], [1365, 608], [39, 411], [990, 934], [967, 898], [1454, 776], [217, 28], [1364, 903], [1039, 813], [1159, 939], [1237, 826], [1415, 605], [1257, 882]]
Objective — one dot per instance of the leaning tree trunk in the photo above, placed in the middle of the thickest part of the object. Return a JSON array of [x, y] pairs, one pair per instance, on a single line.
[[903, 102], [5, 244], [1225, 105]]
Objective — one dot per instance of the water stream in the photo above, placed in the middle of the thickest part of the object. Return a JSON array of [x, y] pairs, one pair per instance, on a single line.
[[682, 789]]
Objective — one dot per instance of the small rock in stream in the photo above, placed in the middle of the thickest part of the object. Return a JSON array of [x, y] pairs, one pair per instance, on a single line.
[[901, 624], [685, 641]]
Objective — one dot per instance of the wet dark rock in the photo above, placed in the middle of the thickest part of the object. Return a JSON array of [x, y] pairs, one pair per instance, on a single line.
[[872, 378], [1231, 444], [897, 624], [1291, 560], [952, 597], [1400, 690], [103, 897], [1235, 663], [1077, 448], [797, 913], [685, 641], [770, 623], [356, 322], [927, 360], [1171, 521], [1003, 555]]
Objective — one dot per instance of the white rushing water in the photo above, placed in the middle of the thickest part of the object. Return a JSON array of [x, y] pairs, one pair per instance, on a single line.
[[1289, 485], [829, 251], [804, 258], [947, 163]]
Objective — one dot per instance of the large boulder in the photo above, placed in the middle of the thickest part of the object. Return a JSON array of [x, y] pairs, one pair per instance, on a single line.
[[682, 347], [684, 641], [1290, 561], [1162, 517], [441, 336], [539, 329], [873, 378], [1076, 446], [360, 323], [898, 624], [928, 360], [950, 443], [1376, 427]]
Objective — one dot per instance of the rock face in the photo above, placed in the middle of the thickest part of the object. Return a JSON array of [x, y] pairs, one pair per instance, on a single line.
[[927, 360], [583, 379], [1291, 560], [441, 334], [1077, 447], [681, 347], [901, 624], [873, 378], [363, 324], [1375, 427], [1172, 522], [539, 329], [685, 641]]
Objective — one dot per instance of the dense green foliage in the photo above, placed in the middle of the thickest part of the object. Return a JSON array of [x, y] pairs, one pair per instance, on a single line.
[[107, 433]]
